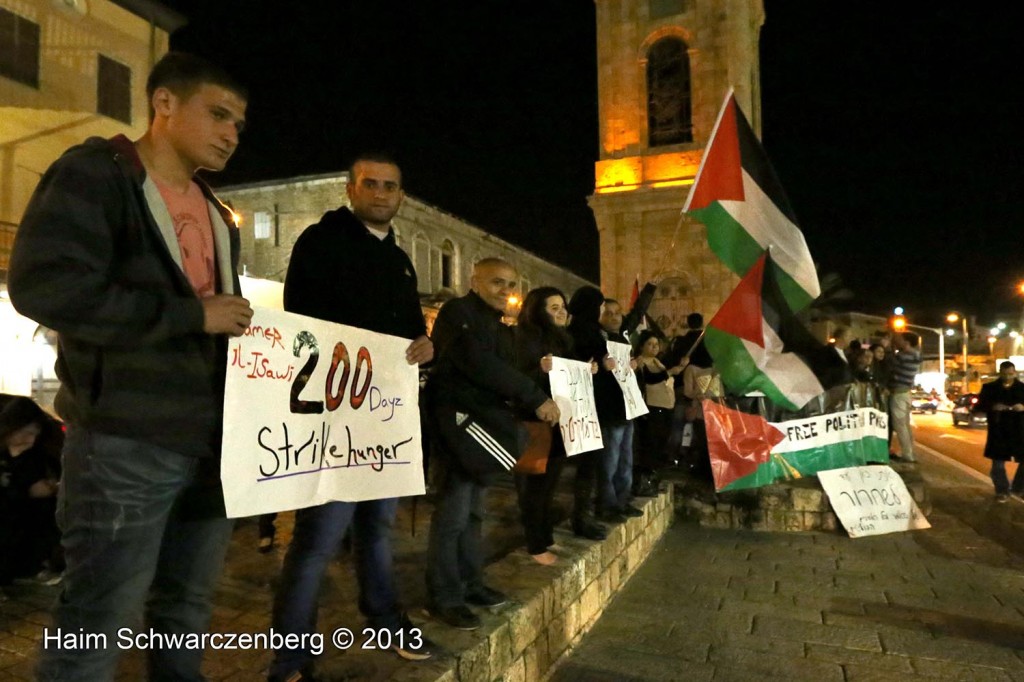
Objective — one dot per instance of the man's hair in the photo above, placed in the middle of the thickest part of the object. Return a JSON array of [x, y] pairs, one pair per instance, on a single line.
[[610, 300], [372, 157], [491, 262], [911, 338], [1006, 363], [183, 73], [694, 320]]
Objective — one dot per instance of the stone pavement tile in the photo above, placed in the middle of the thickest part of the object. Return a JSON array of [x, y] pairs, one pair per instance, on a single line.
[[860, 673], [781, 607], [952, 670], [880, 622], [787, 628], [613, 663], [724, 640], [684, 619], [873, 659], [791, 585], [736, 661], [664, 638], [829, 603], [959, 650]]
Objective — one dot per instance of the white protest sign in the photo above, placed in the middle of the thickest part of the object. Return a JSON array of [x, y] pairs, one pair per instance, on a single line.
[[316, 411], [572, 389], [635, 405], [871, 500]]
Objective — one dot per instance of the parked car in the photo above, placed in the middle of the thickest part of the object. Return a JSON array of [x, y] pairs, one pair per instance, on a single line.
[[922, 402], [964, 413]]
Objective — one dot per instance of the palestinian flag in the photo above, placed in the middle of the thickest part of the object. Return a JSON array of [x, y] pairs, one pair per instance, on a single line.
[[757, 344], [741, 202], [747, 451]]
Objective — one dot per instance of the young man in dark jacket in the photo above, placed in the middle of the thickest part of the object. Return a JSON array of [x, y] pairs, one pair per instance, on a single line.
[[131, 259], [475, 372], [348, 269]]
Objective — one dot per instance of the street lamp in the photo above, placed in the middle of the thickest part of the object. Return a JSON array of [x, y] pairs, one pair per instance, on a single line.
[[952, 318]]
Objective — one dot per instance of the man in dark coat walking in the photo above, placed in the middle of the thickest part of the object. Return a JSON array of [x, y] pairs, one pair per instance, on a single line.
[[1003, 401]]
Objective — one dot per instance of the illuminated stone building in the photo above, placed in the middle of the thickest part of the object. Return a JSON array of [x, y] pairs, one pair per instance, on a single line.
[[69, 70], [664, 67], [442, 247]]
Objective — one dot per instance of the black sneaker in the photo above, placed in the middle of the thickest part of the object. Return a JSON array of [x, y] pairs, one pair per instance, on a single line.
[[591, 530], [486, 596], [459, 617], [611, 516], [631, 511], [410, 643]]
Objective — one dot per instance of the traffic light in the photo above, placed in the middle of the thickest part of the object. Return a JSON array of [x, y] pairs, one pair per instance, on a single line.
[[898, 323]]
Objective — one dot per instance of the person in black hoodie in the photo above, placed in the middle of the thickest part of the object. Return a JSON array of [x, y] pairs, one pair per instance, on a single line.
[[590, 344], [348, 269], [29, 470]]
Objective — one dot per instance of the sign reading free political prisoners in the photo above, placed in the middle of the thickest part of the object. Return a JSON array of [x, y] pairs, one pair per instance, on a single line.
[[572, 389], [316, 411], [871, 500], [635, 404]]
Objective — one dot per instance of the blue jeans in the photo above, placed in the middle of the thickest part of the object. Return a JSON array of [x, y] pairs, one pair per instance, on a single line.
[[137, 521], [315, 542], [1002, 483], [616, 470], [455, 561]]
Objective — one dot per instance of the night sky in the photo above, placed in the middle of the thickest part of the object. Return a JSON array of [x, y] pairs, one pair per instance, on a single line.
[[892, 126]]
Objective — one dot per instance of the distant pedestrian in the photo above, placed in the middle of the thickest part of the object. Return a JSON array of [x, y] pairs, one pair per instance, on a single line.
[[1003, 401], [905, 368]]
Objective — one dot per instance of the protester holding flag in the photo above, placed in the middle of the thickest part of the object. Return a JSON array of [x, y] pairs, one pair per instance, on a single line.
[[540, 334]]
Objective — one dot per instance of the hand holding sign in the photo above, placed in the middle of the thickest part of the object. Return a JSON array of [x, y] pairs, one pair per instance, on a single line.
[[572, 389]]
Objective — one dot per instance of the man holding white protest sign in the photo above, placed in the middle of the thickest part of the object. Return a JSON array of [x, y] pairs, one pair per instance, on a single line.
[[349, 269]]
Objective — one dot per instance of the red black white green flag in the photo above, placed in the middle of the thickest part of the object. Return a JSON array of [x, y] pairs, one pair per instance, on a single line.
[[758, 344], [744, 208], [747, 451]]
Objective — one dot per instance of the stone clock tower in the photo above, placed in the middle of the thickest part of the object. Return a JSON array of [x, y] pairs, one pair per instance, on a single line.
[[664, 67]]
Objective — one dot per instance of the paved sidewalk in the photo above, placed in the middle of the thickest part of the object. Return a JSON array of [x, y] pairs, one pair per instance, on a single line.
[[944, 603]]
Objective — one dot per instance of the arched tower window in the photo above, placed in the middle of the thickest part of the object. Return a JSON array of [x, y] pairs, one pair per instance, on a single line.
[[668, 93], [449, 269]]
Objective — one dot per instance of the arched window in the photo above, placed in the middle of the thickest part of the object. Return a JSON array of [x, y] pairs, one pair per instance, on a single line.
[[668, 93], [449, 269], [421, 261]]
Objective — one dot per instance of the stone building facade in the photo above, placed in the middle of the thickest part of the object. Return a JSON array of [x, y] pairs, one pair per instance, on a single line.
[[69, 70], [664, 68], [443, 248]]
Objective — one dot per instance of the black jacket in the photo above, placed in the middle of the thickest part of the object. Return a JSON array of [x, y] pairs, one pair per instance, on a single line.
[[475, 359], [341, 273], [1005, 439], [90, 262]]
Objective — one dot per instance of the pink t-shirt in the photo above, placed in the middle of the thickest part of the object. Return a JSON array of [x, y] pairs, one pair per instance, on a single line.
[[192, 226]]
